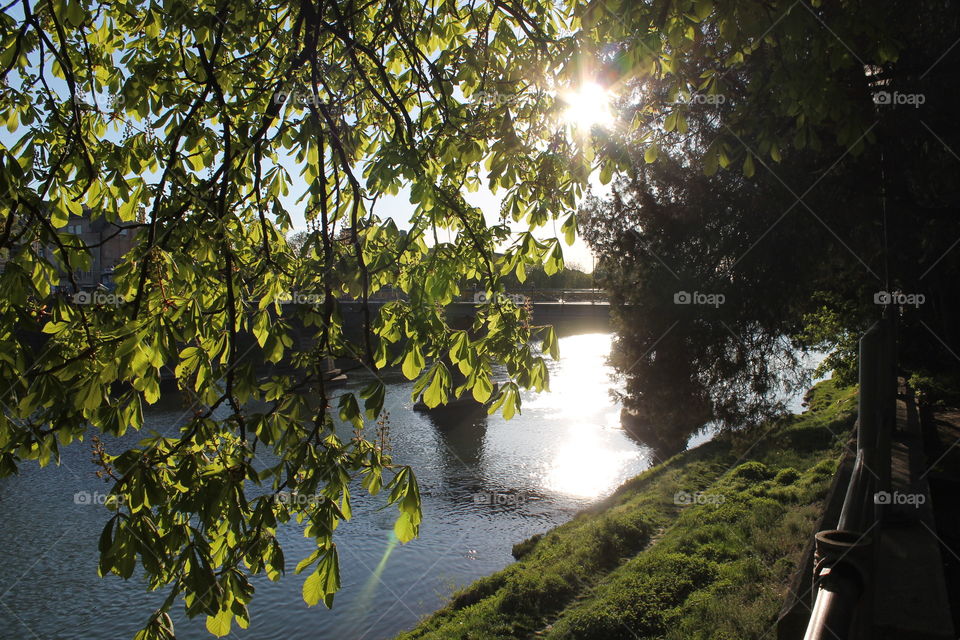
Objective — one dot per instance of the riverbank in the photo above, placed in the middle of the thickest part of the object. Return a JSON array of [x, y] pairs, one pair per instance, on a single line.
[[701, 546]]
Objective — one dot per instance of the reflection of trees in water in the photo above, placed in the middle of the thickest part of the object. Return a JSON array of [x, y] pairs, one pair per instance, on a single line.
[[470, 477], [462, 429], [462, 425]]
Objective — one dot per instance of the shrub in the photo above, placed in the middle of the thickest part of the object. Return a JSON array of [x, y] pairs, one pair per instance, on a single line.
[[524, 548], [752, 470], [786, 476], [537, 594], [482, 588], [618, 536]]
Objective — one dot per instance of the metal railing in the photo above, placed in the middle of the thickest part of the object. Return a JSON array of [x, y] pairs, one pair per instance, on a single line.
[[563, 295], [844, 560]]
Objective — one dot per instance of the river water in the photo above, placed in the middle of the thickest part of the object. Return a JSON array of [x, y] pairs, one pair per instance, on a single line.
[[486, 484]]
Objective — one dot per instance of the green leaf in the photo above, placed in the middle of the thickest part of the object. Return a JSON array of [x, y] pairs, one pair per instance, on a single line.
[[606, 173], [651, 154], [521, 271], [324, 582], [372, 480], [261, 327], [406, 494], [219, 625], [405, 528], [508, 398], [550, 343], [511, 403], [374, 395], [482, 389], [554, 262], [569, 229], [54, 327], [436, 392], [703, 9], [670, 123], [460, 349], [151, 389], [349, 410], [75, 13], [13, 120], [413, 363]]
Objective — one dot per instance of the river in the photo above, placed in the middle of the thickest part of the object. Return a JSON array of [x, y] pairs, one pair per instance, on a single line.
[[486, 484]]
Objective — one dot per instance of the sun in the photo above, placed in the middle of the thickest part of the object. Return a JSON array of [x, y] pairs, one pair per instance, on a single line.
[[588, 106]]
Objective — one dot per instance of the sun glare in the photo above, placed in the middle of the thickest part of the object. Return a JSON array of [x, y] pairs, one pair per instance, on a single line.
[[588, 106]]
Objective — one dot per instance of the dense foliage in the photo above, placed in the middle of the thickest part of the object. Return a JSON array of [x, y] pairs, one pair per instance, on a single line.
[[200, 126], [836, 122]]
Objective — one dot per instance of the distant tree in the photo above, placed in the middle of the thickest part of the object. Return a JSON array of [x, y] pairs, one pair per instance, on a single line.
[[833, 122], [297, 242], [707, 324], [537, 278]]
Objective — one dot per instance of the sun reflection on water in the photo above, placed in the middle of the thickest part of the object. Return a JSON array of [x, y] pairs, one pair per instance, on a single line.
[[584, 468], [590, 451]]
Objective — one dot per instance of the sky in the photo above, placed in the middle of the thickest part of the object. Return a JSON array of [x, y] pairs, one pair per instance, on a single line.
[[584, 110]]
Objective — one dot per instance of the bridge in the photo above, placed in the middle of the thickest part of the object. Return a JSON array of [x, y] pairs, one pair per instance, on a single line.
[[562, 307]]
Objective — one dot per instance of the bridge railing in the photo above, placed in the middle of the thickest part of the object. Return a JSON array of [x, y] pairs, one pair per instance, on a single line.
[[558, 295], [566, 295], [561, 296], [844, 559]]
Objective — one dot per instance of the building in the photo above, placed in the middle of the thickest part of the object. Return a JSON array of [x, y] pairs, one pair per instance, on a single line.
[[108, 243]]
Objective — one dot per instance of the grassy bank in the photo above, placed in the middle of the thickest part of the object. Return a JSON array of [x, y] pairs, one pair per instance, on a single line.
[[701, 546]]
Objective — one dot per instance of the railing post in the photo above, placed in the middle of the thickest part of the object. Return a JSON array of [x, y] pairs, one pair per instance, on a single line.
[[871, 347], [887, 405]]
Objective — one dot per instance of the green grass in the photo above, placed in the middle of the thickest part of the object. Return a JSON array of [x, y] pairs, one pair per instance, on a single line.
[[637, 565]]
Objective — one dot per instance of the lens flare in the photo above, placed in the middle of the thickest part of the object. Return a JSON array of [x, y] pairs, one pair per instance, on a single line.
[[588, 106]]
